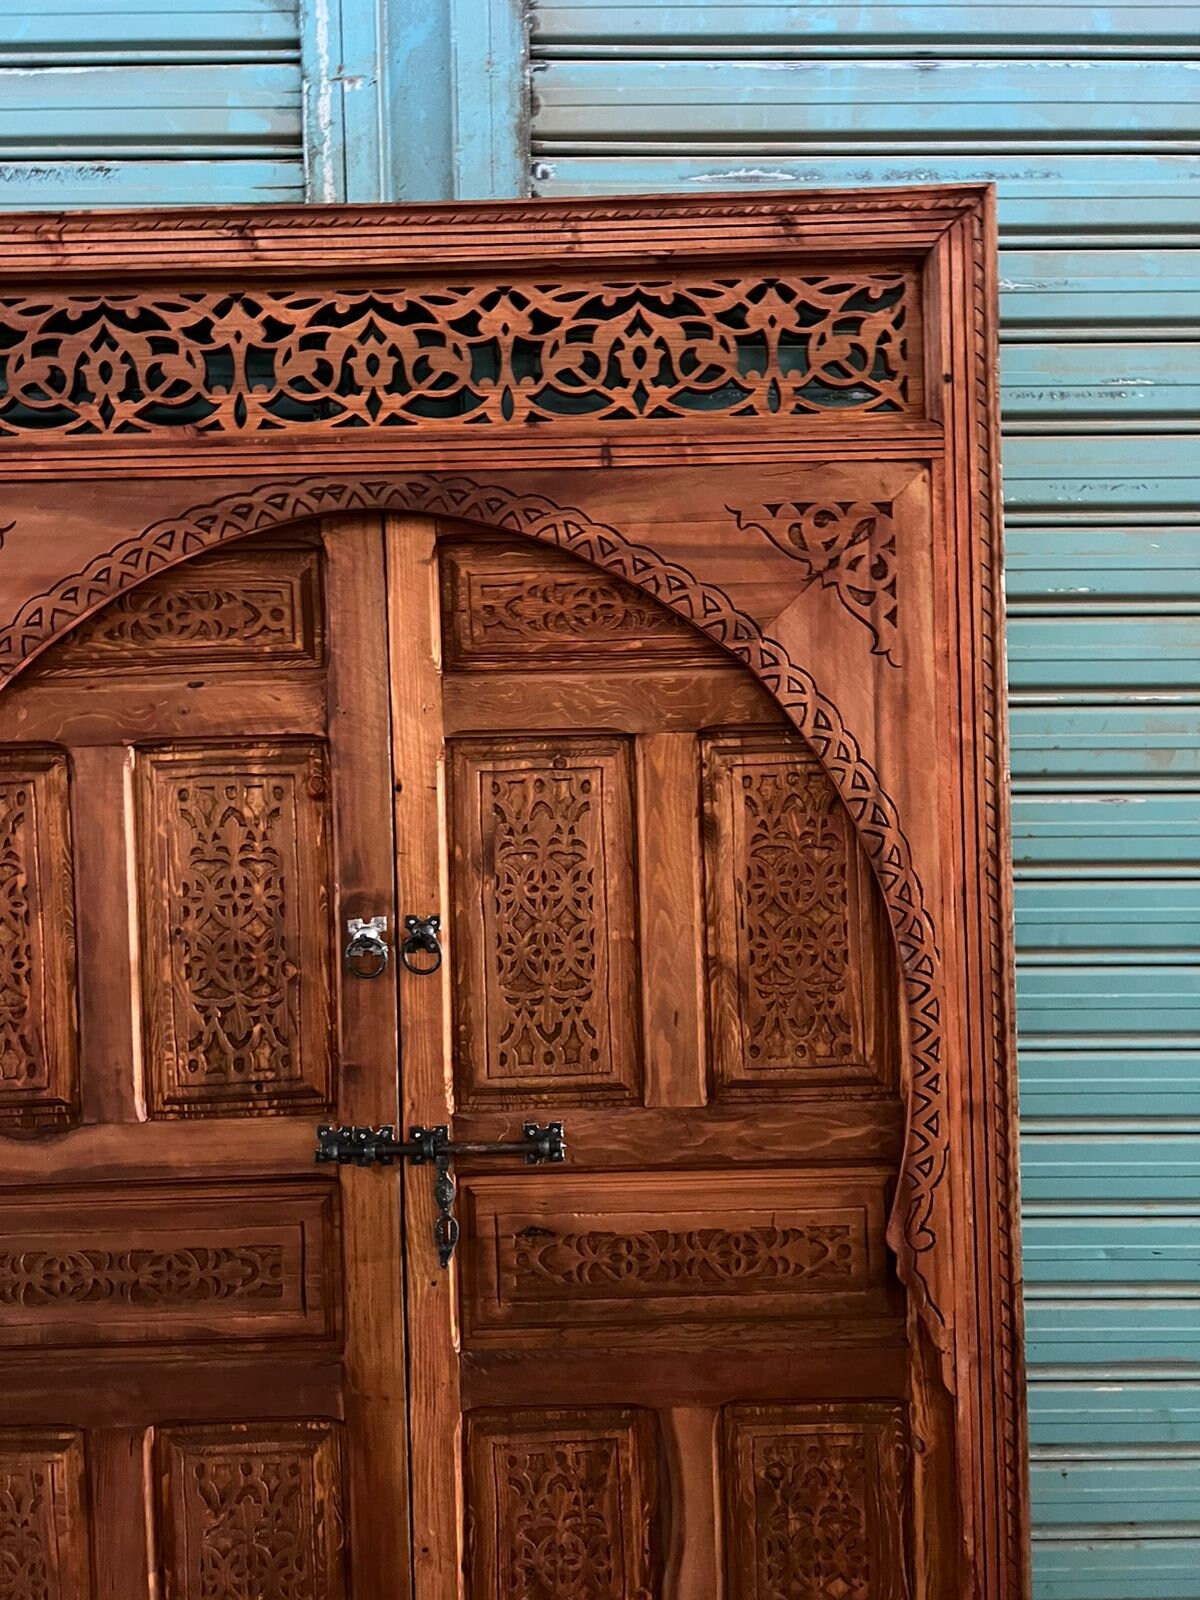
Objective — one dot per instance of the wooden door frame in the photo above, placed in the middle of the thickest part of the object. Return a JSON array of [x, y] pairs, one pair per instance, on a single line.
[[101, 492]]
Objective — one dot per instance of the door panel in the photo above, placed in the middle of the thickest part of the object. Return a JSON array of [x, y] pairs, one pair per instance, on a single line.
[[203, 1333], [675, 1367]]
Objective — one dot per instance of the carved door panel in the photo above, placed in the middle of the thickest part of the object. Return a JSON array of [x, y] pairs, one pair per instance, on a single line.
[[201, 1331], [675, 1366]]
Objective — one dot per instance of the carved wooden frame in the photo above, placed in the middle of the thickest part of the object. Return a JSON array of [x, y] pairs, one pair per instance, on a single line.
[[108, 491]]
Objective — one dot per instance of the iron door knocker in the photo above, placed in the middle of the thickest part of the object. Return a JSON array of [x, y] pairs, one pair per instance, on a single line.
[[422, 938], [367, 953]]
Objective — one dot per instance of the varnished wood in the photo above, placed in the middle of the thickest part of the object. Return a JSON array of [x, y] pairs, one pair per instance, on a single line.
[[422, 886], [821, 529], [176, 1281], [374, 1455]]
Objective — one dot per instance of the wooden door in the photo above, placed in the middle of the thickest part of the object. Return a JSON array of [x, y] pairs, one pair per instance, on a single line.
[[677, 1365], [203, 1391]]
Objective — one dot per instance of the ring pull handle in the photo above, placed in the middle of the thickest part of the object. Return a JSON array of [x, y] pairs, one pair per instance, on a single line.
[[421, 940], [367, 953]]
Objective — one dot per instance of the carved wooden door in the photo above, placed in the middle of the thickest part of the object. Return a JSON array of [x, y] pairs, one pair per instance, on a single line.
[[679, 1359], [660, 539], [203, 1342]]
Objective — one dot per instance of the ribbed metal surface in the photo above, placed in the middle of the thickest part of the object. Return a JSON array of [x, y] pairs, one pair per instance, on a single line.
[[137, 102], [1088, 120]]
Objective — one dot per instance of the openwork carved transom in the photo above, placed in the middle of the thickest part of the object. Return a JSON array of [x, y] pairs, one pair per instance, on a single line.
[[270, 361]]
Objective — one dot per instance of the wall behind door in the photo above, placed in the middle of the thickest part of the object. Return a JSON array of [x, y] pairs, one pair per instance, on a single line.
[[1088, 120]]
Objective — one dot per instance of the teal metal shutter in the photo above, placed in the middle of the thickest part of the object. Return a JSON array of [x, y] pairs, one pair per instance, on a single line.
[[145, 102], [1087, 118]]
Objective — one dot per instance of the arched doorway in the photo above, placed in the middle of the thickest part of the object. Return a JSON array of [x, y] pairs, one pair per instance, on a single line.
[[679, 1356]]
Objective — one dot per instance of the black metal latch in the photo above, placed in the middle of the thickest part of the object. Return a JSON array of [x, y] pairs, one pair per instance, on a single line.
[[366, 1147]]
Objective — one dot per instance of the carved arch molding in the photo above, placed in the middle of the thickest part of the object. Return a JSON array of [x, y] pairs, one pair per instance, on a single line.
[[775, 417]]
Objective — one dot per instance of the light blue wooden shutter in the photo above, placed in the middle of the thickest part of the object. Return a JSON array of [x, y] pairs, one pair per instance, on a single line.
[[145, 102], [1087, 118]]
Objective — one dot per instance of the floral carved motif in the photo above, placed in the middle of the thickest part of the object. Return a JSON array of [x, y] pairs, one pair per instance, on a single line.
[[553, 826], [43, 1541], [686, 1261], [507, 608], [848, 546], [811, 1516], [22, 1064], [147, 1278], [239, 847], [565, 1498], [253, 1511], [817, 1498], [548, 853], [37, 1003], [796, 915], [255, 610], [791, 927], [272, 361]]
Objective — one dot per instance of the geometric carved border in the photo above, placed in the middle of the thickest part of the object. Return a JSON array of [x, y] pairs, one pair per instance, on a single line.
[[917, 1218]]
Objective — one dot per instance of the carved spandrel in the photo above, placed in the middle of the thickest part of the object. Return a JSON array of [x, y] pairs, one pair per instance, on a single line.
[[253, 1510], [562, 1504], [848, 546], [816, 1501], [543, 875], [800, 994], [643, 1257], [38, 1050], [747, 343], [514, 606], [158, 1264], [249, 609], [43, 1522], [236, 981]]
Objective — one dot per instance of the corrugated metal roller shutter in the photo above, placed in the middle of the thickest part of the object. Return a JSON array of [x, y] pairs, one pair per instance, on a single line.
[[1087, 119], [141, 102]]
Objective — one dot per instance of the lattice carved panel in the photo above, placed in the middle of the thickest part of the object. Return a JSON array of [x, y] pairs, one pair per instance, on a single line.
[[43, 1523], [277, 361], [560, 1258], [562, 1504], [544, 913], [160, 1264], [513, 606], [38, 1052], [816, 1501], [248, 609], [799, 980], [252, 1511], [234, 852]]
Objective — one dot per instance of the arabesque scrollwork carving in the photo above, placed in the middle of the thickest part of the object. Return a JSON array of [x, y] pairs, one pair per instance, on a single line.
[[274, 361]]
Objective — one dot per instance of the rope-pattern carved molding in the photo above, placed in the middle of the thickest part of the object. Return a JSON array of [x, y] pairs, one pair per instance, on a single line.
[[848, 546], [280, 361], [917, 1215]]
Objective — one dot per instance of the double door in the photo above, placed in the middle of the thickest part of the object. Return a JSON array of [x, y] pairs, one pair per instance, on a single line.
[[674, 1365]]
